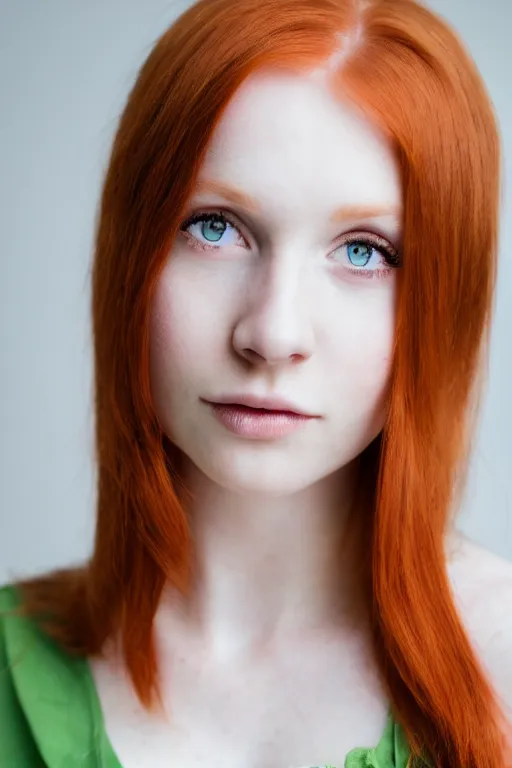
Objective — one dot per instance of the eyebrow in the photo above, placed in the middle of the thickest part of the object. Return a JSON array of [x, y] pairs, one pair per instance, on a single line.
[[345, 213]]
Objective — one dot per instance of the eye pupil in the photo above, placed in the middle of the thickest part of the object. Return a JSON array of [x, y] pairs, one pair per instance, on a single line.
[[359, 253]]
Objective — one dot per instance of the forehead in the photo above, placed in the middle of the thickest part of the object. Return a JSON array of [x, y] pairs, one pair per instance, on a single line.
[[288, 141]]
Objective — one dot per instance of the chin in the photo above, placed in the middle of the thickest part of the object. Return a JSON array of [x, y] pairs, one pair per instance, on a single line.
[[260, 483], [269, 469]]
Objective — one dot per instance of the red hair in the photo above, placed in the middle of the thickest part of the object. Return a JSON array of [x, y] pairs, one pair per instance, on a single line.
[[404, 67]]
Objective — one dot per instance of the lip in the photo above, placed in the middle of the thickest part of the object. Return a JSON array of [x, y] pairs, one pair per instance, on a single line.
[[255, 424], [275, 404]]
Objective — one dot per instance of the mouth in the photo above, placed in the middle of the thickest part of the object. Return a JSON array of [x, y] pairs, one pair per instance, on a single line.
[[257, 411], [256, 422], [263, 405]]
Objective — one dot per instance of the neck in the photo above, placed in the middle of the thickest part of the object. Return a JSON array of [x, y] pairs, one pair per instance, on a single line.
[[266, 567]]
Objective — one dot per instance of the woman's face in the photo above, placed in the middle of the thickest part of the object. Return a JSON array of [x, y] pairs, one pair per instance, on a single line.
[[283, 284]]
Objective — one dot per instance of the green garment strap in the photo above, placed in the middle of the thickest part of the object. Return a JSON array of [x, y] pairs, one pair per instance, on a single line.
[[50, 713]]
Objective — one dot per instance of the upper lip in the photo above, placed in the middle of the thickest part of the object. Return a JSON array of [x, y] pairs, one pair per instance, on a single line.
[[268, 403]]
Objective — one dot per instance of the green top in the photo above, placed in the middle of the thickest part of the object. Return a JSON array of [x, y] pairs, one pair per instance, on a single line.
[[50, 714]]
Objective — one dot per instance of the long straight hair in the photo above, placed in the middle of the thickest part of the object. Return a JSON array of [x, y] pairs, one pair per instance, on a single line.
[[403, 66]]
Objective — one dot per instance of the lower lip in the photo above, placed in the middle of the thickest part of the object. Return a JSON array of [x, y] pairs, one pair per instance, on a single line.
[[258, 424]]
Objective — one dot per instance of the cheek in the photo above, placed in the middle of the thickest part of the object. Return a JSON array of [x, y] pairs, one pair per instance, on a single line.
[[174, 335], [362, 349], [370, 354], [187, 333]]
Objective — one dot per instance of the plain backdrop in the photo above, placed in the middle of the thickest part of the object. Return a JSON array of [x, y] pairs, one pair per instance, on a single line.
[[66, 67]]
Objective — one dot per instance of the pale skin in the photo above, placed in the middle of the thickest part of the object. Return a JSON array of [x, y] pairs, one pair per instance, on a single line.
[[268, 663]]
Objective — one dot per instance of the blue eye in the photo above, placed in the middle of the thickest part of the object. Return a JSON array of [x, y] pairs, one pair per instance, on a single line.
[[359, 253], [206, 231], [216, 232]]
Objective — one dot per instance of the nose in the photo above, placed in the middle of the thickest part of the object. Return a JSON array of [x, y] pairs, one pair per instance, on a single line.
[[274, 327]]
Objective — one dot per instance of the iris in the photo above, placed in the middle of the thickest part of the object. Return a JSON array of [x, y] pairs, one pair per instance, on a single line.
[[359, 253]]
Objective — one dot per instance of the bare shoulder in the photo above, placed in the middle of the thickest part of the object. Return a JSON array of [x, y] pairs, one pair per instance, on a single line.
[[472, 568], [482, 588]]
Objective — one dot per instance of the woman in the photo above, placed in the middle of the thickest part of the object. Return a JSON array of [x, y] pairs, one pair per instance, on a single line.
[[293, 277]]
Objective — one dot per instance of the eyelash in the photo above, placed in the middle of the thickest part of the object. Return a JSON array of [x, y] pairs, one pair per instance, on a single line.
[[390, 254]]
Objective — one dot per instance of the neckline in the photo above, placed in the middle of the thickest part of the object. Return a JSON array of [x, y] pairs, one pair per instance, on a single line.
[[391, 745], [56, 688]]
